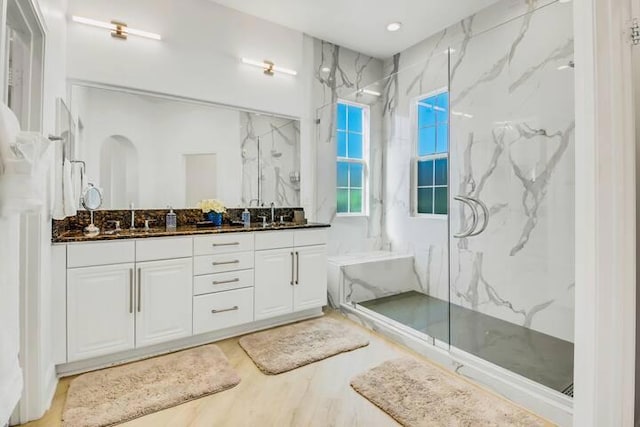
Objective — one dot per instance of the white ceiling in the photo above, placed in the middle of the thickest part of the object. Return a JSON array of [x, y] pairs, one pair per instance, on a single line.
[[361, 24]]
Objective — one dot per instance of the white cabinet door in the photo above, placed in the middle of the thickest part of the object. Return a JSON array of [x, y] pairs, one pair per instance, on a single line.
[[164, 301], [310, 289], [100, 310], [273, 283]]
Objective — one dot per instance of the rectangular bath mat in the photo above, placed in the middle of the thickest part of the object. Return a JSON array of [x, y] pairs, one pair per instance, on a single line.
[[288, 347], [419, 395], [122, 393]]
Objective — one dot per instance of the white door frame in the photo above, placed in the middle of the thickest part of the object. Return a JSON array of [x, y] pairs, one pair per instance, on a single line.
[[605, 215]]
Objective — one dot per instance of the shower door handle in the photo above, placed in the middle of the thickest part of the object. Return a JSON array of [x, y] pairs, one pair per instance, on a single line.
[[485, 216], [474, 217]]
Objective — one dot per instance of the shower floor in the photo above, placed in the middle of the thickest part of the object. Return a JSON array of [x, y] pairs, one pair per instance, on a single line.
[[542, 358]]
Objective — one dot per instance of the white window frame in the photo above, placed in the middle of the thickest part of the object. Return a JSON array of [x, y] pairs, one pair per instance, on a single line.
[[415, 158], [366, 114]]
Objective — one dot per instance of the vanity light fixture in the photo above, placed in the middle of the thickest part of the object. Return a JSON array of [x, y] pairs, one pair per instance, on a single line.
[[268, 67], [394, 26], [118, 29]]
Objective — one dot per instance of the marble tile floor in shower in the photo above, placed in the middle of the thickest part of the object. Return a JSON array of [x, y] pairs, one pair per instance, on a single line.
[[542, 358]]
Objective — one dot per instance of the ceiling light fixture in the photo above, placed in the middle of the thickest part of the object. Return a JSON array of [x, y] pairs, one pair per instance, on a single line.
[[119, 30], [394, 26], [268, 67], [369, 92]]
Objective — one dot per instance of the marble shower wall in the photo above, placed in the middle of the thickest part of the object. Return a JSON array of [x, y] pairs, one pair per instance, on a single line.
[[511, 146], [277, 168], [339, 74]]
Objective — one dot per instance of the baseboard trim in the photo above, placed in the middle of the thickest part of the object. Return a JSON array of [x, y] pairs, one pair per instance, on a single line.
[[73, 368]]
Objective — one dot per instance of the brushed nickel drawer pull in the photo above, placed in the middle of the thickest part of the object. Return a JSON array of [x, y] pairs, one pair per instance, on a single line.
[[292, 269], [235, 307], [225, 244], [131, 296], [220, 282], [139, 290], [235, 261], [297, 268]]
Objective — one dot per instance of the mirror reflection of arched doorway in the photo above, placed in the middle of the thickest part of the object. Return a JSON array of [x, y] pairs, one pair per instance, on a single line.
[[119, 172]]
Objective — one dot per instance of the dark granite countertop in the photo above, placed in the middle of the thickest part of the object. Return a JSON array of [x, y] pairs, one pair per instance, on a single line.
[[186, 230]]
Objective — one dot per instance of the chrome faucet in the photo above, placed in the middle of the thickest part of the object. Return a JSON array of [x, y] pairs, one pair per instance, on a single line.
[[273, 212], [133, 217]]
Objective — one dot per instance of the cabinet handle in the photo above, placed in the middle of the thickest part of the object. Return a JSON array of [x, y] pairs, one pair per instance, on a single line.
[[292, 271], [297, 267], [235, 261], [220, 282], [131, 297], [235, 307], [225, 244], [139, 290]]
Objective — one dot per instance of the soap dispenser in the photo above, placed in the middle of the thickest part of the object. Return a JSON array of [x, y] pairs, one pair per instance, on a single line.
[[172, 220], [246, 218]]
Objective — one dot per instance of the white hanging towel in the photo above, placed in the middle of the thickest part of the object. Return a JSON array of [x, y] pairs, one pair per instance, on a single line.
[[64, 199]]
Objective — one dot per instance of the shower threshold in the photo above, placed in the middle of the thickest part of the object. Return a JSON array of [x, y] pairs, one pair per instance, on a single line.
[[542, 358]]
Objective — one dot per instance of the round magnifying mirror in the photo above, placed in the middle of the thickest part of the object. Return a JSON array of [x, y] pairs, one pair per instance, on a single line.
[[92, 198]]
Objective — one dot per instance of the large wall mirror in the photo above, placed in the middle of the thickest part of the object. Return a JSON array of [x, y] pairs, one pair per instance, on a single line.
[[153, 151]]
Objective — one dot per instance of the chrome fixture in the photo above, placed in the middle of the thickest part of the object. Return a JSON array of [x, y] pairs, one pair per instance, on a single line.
[[473, 230], [146, 224], [264, 221], [133, 217], [273, 212]]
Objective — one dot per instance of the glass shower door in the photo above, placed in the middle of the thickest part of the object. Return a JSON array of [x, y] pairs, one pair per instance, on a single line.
[[511, 199]]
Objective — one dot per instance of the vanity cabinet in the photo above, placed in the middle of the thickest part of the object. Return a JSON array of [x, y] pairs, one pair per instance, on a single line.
[[131, 294], [293, 278], [163, 301], [100, 310]]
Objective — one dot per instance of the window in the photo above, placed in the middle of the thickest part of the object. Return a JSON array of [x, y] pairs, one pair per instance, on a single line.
[[352, 144], [432, 162]]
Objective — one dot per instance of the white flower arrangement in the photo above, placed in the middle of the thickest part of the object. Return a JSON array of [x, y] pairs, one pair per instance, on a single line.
[[211, 205]]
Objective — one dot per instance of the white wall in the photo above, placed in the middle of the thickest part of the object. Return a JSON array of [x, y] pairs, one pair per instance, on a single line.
[[199, 56]]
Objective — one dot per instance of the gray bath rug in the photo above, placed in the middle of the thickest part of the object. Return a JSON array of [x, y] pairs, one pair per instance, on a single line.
[[122, 393], [288, 347], [417, 394]]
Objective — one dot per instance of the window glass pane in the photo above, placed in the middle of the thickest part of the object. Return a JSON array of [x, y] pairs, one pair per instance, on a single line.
[[425, 173], [341, 117], [442, 143], [356, 175], [426, 116], [441, 172], [440, 200], [442, 106], [426, 141], [343, 201], [356, 201], [425, 200], [355, 119], [343, 174], [355, 146], [342, 144]]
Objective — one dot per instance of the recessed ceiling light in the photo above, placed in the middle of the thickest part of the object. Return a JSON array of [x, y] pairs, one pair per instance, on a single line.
[[394, 26]]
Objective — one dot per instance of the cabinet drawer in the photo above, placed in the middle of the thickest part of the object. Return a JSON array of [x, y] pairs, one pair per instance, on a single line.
[[100, 253], [310, 237], [152, 249], [274, 239], [210, 264], [222, 282], [222, 310], [223, 243]]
